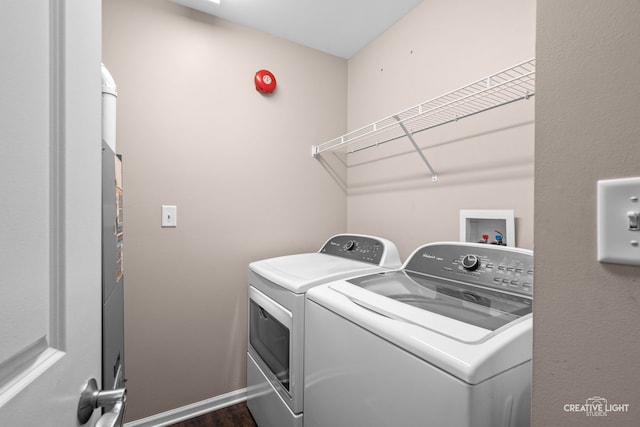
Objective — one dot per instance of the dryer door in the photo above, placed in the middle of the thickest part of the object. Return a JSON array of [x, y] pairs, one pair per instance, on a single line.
[[270, 326]]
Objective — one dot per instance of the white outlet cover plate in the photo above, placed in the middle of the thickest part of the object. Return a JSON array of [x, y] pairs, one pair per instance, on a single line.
[[169, 216], [616, 242]]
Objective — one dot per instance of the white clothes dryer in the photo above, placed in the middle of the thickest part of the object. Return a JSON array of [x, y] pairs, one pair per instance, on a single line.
[[276, 318], [446, 341]]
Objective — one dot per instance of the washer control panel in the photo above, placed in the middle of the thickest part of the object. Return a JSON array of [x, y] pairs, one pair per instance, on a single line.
[[501, 267], [355, 247]]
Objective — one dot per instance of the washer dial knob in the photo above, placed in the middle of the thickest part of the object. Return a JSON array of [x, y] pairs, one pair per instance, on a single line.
[[470, 262], [350, 245]]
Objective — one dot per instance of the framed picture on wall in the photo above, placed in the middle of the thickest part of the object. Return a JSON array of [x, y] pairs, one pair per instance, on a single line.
[[488, 226]]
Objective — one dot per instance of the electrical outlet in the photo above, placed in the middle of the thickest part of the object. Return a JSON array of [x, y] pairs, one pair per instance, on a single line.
[[618, 221], [169, 216]]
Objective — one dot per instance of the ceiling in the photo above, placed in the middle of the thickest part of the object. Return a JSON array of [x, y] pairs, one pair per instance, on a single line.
[[338, 27]]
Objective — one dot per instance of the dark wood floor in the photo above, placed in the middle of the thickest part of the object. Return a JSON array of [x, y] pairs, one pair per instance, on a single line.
[[232, 416]]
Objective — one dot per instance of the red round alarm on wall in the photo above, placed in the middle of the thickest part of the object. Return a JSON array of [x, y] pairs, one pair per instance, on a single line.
[[265, 81]]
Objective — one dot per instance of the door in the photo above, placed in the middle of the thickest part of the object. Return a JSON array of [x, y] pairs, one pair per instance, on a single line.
[[50, 145]]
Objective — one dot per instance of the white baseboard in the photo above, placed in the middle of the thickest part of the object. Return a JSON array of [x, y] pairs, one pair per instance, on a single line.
[[190, 411]]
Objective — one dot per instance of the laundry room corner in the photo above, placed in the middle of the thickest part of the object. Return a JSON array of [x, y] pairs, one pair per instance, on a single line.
[[236, 163], [484, 161]]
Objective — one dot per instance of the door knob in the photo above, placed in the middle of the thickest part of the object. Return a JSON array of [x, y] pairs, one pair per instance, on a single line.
[[91, 398]]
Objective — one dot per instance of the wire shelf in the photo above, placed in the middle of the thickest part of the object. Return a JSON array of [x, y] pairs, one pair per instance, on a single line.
[[513, 84]]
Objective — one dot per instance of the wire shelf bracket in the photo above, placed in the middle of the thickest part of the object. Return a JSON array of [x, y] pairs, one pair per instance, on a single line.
[[504, 87], [434, 175]]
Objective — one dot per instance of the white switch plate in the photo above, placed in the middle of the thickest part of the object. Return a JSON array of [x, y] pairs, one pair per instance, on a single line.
[[169, 216], [618, 199]]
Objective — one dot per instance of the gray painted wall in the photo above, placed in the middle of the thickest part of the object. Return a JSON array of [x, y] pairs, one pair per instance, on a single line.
[[195, 133], [586, 315]]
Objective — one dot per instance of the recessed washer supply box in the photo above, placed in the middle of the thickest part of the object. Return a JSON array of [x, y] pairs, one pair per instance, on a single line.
[[495, 224]]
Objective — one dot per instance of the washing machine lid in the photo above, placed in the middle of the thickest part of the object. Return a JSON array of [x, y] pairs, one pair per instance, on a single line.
[[298, 273], [486, 310], [467, 351]]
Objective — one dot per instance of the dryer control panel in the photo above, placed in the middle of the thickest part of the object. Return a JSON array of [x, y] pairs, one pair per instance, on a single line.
[[355, 247], [506, 268]]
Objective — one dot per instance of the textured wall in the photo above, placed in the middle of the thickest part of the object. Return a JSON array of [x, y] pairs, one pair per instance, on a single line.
[[586, 315], [194, 132]]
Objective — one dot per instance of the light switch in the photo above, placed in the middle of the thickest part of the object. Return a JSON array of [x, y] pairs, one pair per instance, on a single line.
[[633, 217], [618, 221], [169, 216]]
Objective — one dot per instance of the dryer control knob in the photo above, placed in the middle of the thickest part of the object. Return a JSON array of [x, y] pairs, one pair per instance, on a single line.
[[470, 262]]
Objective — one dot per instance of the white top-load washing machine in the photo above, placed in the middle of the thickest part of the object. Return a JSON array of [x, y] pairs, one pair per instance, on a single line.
[[276, 318], [443, 342]]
